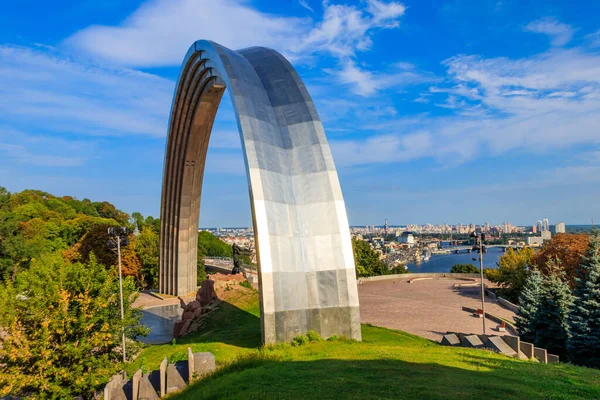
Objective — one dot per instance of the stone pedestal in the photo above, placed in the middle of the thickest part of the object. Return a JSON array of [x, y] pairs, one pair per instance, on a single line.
[[175, 381]]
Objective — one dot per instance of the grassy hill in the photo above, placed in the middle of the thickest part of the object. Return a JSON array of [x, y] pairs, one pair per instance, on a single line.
[[386, 364]]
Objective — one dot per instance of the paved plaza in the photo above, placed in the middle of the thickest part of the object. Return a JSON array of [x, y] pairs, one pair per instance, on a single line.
[[426, 308]]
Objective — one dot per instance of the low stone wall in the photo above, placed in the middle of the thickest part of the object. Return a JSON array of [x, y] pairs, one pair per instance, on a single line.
[[419, 275], [509, 327], [507, 304]]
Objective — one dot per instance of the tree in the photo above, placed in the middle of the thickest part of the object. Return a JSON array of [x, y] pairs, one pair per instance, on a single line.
[[550, 325], [584, 319], [107, 210], [211, 246], [367, 260], [201, 277], [63, 326], [568, 249], [528, 304], [138, 220], [95, 242], [512, 271], [146, 246], [464, 269]]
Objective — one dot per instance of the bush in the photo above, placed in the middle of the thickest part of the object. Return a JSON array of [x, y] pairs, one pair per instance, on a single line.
[[63, 328], [300, 340], [464, 269], [313, 336], [246, 284]]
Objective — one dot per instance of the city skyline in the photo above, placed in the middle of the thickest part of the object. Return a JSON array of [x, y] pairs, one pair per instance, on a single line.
[[434, 112]]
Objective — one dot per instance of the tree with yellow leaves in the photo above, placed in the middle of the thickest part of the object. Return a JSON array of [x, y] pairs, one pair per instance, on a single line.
[[512, 271], [60, 328]]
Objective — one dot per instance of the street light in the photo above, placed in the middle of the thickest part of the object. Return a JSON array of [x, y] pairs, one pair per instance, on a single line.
[[481, 248], [117, 238]]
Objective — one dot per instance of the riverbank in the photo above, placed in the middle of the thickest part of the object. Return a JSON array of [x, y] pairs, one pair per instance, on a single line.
[[443, 262]]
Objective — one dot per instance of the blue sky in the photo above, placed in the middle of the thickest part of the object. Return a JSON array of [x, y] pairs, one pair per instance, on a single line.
[[436, 111]]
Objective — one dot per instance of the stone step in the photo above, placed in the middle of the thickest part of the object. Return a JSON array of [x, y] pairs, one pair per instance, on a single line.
[[450, 340], [156, 384], [498, 344], [472, 341]]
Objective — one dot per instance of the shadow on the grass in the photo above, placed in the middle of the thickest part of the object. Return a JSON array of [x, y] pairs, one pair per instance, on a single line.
[[385, 378], [228, 324]]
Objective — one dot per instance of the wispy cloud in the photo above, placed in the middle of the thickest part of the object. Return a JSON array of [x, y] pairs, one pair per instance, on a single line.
[[342, 32], [535, 104], [365, 82], [594, 39], [43, 151], [49, 90], [559, 32], [304, 4]]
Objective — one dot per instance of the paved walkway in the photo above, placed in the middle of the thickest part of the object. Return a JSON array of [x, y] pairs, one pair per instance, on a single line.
[[427, 308]]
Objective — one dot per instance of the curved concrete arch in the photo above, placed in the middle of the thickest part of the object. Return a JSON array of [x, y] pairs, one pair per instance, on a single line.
[[306, 267]]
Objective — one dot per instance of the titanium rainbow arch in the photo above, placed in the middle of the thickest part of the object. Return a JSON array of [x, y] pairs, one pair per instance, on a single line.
[[306, 267]]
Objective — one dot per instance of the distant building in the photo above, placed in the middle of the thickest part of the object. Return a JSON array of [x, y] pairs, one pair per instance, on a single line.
[[407, 238], [540, 226], [534, 229], [546, 225], [486, 227], [535, 241], [546, 235], [560, 228]]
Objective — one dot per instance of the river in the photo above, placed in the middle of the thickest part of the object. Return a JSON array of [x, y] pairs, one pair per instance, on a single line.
[[443, 262]]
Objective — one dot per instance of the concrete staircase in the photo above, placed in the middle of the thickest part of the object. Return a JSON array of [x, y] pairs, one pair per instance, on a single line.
[[508, 345], [168, 378]]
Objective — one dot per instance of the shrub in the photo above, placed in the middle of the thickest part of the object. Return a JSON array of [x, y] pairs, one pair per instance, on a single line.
[[63, 326], [313, 336], [300, 340], [464, 269], [246, 284]]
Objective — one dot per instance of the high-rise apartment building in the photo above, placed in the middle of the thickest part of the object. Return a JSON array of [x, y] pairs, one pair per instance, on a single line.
[[546, 225], [560, 227], [539, 226]]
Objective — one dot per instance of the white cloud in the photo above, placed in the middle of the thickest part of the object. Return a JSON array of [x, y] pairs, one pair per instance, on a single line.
[[50, 91], [594, 39], [559, 33], [382, 149], [366, 82], [44, 151], [535, 104], [159, 32], [304, 4]]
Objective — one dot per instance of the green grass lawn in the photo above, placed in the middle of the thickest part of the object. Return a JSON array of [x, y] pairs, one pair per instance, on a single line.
[[386, 364]]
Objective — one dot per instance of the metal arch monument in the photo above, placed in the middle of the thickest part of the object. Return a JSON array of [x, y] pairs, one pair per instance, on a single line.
[[306, 267]]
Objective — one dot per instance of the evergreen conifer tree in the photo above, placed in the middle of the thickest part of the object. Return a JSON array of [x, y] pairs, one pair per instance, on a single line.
[[550, 325], [528, 304], [584, 319]]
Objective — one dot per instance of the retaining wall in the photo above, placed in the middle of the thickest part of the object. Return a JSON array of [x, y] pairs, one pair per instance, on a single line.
[[419, 275], [507, 304]]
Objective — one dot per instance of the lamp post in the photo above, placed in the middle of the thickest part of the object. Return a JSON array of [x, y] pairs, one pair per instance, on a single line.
[[118, 238], [481, 248]]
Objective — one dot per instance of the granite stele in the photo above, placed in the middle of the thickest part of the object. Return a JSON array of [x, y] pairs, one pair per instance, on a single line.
[[306, 267]]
